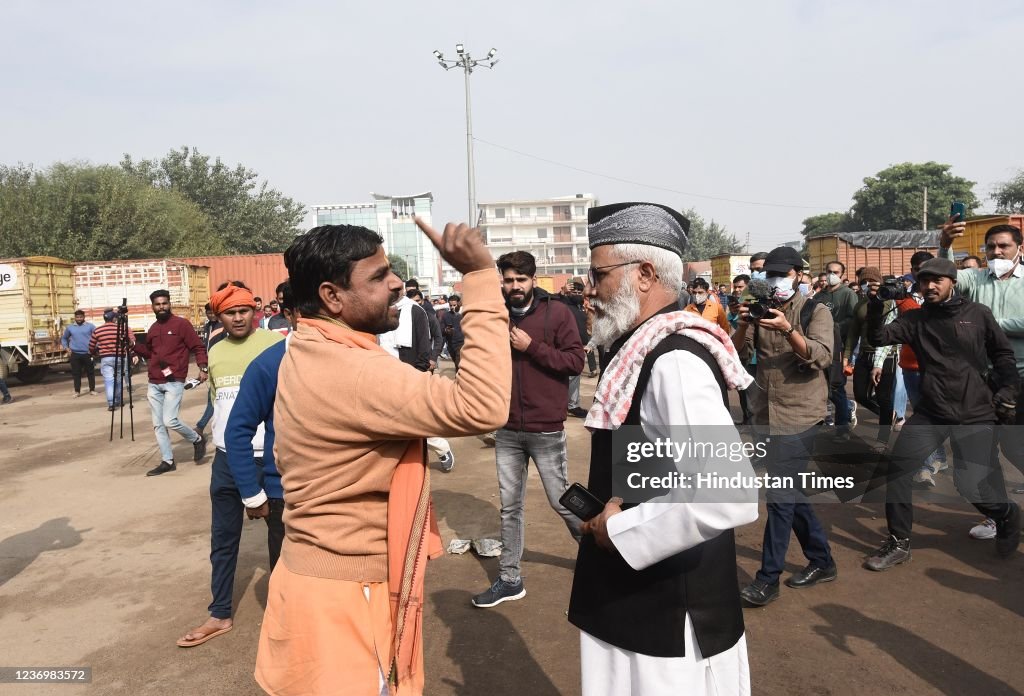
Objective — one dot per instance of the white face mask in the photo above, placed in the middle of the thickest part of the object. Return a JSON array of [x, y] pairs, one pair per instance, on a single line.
[[758, 275], [700, 298], [783, 288], [1001, 267], [834, 279], [864, 287]]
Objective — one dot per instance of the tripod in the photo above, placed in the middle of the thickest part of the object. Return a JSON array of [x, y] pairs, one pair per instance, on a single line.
[[122, 369]]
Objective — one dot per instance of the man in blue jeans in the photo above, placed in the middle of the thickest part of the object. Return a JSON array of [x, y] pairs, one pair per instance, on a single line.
[[793, 368], [546, 352], [104, 346], [169, 343]]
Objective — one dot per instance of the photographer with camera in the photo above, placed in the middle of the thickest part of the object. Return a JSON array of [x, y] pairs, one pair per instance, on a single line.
[[1000, 287], [794, 348], [874, 374], [955, 340]]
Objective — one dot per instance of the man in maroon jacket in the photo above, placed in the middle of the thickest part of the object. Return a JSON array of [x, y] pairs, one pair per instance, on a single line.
[[169, 342], [546, 352]]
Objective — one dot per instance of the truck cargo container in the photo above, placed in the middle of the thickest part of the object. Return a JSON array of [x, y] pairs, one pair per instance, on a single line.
[[697, 269], [889, 250], [101, 285], [973, 241], [261, 273], [725, 267], [37, 301]]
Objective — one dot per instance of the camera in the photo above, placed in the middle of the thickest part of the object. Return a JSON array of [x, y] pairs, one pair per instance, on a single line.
[[892, 289], [759, 309]]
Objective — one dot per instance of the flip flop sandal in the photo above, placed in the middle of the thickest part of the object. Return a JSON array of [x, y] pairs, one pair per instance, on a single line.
[[182, 643]]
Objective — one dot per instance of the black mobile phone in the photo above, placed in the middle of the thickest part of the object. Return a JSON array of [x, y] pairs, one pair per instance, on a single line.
[[581, 502], [958, 210]]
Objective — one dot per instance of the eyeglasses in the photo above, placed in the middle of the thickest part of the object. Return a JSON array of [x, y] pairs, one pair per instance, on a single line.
[[594, 275]]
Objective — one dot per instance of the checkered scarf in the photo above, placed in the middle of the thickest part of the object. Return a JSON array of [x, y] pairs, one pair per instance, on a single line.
[[618, 381]]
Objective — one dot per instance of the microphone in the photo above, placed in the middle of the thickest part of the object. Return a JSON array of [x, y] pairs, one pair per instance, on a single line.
[[760, 289]]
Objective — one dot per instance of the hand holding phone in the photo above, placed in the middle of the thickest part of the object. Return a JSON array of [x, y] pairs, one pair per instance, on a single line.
[[955, 226], [581, 502]]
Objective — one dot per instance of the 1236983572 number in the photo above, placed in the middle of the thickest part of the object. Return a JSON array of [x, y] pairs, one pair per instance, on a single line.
[[45, 675]]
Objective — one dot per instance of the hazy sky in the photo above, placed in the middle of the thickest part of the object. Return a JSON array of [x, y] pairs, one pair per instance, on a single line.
[[789, 102]]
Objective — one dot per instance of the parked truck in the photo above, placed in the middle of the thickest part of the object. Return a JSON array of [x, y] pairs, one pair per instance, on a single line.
[[889, 250], [101, 285], [37, 302]]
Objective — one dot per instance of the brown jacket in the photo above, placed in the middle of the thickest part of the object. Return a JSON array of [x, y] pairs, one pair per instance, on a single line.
[[790, 393], [345, 416]]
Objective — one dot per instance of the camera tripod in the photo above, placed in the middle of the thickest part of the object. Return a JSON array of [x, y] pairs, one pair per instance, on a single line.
[[122, 370]]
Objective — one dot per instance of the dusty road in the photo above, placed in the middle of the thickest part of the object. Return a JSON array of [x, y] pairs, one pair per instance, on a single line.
[[103, 567]]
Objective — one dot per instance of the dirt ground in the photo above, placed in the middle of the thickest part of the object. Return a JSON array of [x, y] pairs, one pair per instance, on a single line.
[[103, 567]]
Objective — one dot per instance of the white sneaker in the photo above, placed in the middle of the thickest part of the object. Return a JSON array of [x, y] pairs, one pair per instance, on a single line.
[[938, 466], [924, 475], [985, 530], [77, 394]]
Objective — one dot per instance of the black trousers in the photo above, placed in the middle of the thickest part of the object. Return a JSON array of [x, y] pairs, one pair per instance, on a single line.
[[976, 471], [82, 362], [455, 352], [744, 405], [592, 360], [226, 533], [878, 400]]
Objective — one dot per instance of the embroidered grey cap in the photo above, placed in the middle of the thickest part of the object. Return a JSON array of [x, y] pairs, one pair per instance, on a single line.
[[638, 223]]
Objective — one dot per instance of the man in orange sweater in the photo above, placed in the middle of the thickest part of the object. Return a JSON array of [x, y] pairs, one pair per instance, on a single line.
[[707, 308], [344, 605]]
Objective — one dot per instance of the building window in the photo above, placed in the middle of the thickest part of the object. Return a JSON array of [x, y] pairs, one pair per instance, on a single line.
[[562, 212], [581, 210], [542, 233], [524, 212], [563, 234], [542, 212], [499, 213]]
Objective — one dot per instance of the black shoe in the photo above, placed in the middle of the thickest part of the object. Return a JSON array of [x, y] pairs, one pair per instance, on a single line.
[[162, 468], [199, 449], [811, 576], [578, 412], [892, 552], [1008, 532], [759, 593], [499, 592], [8, 399]]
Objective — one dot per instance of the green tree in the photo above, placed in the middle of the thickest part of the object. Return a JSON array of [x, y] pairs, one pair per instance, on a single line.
[[1009, 195], [249, 217], [894, 198], [399, 265], [707, 239], [83, 212], [827, 223]]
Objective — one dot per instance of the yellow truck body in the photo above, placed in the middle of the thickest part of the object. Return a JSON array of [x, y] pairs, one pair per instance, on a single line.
[[37, 301]]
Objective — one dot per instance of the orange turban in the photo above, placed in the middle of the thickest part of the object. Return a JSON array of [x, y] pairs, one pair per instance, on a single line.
[[231, 296]]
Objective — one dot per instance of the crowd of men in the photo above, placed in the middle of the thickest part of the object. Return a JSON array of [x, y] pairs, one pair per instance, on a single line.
[[313, 403]]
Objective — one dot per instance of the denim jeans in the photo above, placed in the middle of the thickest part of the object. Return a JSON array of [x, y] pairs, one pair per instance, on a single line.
[[574, 392], [513, 451], [3, 388], [789, 511], [899, 402], [164, 403], [107, 370], [207, 414]]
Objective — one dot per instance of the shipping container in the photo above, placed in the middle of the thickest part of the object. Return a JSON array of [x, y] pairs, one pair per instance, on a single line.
[[973, 241], [889, 250], [261, 273], [37, 301], [725, 267], [695, 269], [101, 285]]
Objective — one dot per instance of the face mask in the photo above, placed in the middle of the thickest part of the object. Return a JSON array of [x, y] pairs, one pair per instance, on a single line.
[[834, 279], [864, 287], [1001, 267], [783, 288], [758, 275], [699, 298]]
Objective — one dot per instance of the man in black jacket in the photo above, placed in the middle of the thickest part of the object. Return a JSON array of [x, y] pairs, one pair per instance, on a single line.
[[952, 338], [574, 301]]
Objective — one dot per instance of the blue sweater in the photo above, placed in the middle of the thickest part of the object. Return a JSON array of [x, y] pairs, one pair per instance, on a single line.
[[254, 405], [76, 338]]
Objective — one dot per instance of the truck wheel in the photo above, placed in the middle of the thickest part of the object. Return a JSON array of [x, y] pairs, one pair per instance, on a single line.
[[31, 375]]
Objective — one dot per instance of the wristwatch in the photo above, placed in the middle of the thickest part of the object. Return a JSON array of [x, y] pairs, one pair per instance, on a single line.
[[786, 332], [204, 369]]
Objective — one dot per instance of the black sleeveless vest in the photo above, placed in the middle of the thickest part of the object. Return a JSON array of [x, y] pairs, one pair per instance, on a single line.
[[644, 611]]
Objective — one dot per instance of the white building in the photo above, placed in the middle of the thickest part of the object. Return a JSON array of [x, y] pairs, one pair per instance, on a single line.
[[554, 230], [391, 218]]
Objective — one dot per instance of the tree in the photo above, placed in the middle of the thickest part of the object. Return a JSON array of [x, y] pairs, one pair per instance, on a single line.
[[83, 212], [894, 198], [827, 223], [707, 239], [249, 217], [399, 265], [1009, 195]]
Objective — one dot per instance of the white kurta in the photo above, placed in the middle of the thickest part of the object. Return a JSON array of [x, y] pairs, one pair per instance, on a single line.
[[682, 391]]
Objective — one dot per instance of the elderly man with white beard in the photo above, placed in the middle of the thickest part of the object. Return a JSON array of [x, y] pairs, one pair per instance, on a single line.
[[654, 592]]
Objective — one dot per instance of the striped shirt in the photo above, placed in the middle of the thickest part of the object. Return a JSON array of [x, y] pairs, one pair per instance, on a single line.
[[104, 340]]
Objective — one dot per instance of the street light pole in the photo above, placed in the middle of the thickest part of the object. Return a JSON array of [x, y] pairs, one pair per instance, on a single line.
[[467, 63]]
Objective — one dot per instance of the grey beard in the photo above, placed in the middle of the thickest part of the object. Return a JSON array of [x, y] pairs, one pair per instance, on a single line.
[[619, 315]]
